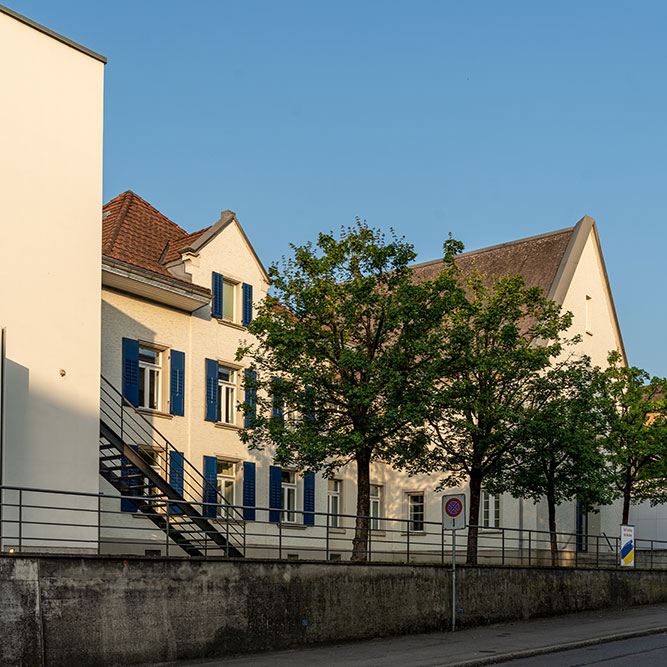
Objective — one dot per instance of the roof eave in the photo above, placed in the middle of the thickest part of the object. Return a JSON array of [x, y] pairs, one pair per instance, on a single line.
[[152, 286]]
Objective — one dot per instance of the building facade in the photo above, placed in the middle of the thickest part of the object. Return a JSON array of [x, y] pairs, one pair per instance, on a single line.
[[50, 232], [176, 307]]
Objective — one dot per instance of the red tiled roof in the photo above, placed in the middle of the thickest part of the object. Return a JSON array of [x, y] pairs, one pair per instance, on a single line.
[[135, 232], [175, 247]]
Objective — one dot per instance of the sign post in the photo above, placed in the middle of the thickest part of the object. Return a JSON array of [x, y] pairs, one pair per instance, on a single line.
[[453, 518], [627, 546]]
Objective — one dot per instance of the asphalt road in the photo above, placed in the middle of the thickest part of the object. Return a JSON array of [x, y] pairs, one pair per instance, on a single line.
[[650, 651]]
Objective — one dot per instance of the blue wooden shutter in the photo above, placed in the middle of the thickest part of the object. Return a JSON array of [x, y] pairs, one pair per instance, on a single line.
[[177, 383], [309, 499], [251, 399], [211, 390], [176, 478], [210, 494], [216, 303], [130, 475], [248, 491], [275, 493], [247, 305], [278, 397], [131, 371]]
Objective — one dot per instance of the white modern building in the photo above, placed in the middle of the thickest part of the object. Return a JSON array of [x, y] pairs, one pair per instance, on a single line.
[[50, 233]]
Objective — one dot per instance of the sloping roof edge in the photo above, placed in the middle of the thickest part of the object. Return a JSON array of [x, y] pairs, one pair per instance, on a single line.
[[52, 33], [478, 251], [226, 219], [565, 273]]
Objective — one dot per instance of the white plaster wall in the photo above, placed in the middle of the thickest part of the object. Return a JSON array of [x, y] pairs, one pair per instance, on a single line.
[[200, 337], [50, 231], [588, 280]]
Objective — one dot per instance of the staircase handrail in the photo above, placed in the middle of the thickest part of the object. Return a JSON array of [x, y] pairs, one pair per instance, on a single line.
[[192, 471]]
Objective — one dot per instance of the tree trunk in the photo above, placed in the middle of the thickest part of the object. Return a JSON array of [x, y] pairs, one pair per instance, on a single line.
[[626, 505], [552, 531], [360, 541], [473, 518]]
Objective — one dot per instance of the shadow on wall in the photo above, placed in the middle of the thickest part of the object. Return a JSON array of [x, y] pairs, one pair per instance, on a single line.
[[50, 444]]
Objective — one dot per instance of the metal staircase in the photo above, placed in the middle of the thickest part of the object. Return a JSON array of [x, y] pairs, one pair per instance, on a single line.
[[138, 461]]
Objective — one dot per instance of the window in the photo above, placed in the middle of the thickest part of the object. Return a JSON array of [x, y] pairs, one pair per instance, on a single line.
[[288, 496], [291, 419], [490, 510], [333, 502], [589, 313], [226, 484], [416, 511], [228, 302], [226, 395], [376, 506], [152, 458], [150, 367]]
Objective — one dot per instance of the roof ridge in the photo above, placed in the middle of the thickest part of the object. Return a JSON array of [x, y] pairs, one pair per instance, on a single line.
[[162, 215], [127, 196], [496, 246]]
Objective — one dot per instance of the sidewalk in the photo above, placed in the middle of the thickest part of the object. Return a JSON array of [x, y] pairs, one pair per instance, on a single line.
[[468, 648]]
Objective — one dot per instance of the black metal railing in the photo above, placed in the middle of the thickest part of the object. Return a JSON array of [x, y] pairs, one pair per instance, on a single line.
[[135, 430], [38, 520]]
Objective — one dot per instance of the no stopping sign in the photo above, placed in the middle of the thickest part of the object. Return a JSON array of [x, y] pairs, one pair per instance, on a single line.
[[453, 512]]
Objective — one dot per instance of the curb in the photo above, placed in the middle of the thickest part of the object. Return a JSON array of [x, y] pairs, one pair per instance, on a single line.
[[555, 648]]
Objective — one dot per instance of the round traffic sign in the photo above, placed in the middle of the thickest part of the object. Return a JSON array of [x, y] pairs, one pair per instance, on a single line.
[[453, 507]]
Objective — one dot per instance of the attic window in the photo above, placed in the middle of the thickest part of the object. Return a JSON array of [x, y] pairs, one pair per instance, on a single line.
[[589, 320]]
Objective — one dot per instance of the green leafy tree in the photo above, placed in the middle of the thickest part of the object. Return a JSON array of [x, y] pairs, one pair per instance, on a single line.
[[347, 358], [558, 455], [501, 339], [636, 436]]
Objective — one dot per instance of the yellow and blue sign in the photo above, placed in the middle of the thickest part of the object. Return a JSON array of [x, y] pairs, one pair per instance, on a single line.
[[627, 546]]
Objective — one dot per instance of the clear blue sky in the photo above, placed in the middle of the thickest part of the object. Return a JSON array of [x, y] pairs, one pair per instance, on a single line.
[[492, 120]]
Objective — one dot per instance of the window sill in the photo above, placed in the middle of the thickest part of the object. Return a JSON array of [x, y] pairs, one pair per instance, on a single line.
[[223, 522], [379, 533], [415, 533], [155, 413], [293, 526], [338, 530], [228, 427], [233, 325]]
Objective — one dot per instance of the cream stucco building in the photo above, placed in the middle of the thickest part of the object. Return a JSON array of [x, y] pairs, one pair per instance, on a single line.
[[174, 308], [160, 292]]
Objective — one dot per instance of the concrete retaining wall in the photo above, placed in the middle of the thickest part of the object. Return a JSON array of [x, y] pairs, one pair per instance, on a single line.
[[105, 611]]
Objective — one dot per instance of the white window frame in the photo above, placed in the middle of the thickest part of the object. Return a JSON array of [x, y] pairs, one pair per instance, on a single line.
[[222, 480], [376, 506], [231, 287], [152, 457], [224, 407], [146, 369], [489, 509], [415, 524], [288, 496], [334, 499]]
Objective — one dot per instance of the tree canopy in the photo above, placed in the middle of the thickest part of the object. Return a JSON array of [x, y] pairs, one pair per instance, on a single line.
[[636, 435], [347, 362], [558, 456], [501, 339]]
